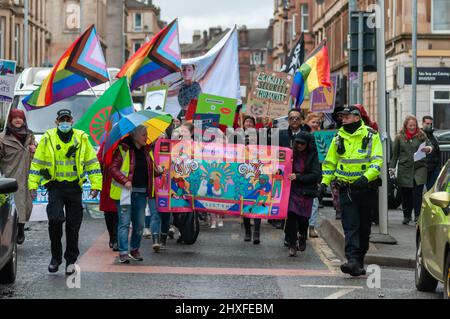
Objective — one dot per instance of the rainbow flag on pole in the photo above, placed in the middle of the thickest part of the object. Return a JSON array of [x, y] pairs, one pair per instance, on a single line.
[[312, 74], [154, 60], [82, 66]]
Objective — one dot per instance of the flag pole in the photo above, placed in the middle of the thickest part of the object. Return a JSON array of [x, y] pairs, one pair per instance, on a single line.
[[88, 83]]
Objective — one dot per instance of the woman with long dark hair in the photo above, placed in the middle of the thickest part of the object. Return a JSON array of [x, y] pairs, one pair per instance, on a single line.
[[305, 178]]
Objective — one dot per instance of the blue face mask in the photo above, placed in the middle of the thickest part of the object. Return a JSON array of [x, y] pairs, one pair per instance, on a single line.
[[65, 127]]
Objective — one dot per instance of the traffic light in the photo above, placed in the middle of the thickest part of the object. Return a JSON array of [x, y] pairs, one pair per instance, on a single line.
[[369, 44], [341, 91]]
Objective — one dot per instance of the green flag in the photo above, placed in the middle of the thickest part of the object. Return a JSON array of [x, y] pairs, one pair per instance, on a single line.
[[115, 103]]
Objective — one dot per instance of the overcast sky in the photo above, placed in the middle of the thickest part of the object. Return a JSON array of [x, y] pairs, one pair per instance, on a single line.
[[202, 14]]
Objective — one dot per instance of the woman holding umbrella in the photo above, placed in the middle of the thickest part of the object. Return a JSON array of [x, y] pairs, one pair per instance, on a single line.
[[132, 171]]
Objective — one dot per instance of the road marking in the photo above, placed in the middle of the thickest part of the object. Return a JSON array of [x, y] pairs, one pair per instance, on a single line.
[[326, 255], [100, 259], [339, 294], [332, 286]]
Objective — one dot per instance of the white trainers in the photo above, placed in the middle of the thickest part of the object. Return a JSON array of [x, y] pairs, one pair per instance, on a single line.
[[147, 233], [213, 224], [220, 223]]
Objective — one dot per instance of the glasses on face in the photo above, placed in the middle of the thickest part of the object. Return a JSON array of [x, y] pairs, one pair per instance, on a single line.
[[294, 118], [300, 143]]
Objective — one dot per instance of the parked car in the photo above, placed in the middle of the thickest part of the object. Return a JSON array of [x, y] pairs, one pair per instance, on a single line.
[[433, 237], [8, 232]]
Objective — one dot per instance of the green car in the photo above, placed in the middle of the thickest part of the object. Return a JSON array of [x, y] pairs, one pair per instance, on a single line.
[[433, 237]]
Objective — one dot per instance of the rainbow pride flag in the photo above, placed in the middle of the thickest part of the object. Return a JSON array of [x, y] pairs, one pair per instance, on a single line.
[[82, 66], [155, 59], [312, 74]]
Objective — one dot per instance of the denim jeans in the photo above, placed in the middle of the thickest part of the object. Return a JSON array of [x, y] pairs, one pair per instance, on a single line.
[[159, 222], [314, 213], [134, 213]]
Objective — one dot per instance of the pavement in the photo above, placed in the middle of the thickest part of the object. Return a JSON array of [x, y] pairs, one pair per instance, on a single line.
[[401, 254]]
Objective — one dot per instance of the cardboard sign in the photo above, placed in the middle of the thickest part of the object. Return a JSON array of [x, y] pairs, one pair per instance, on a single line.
[[323, 98], [155, 99], [270, 94], [213, 104], [7, 73]]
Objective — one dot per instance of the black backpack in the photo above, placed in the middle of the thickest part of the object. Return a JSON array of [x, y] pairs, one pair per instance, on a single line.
[[189, 226]]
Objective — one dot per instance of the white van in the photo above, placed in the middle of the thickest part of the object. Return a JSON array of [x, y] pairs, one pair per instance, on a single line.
[[41, 120]]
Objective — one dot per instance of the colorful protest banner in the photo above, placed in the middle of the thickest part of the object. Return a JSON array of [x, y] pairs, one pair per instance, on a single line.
[[323, 98], [273, 89], [323, 142], [233, 179], [7, 72], [213, 104]]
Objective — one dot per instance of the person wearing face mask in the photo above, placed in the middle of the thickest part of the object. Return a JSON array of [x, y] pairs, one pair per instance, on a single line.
[[62, 160], [411, 174], [434, 158], [17, 146], [354, 161]]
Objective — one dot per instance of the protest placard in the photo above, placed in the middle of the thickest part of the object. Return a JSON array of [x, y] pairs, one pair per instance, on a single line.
[[323, 98], [270, 94], [7, 73], [213, 104], [155, 99]]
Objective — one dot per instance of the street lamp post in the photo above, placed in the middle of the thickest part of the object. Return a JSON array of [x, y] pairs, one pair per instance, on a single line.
[[25, 34], [383, 236], [414, 60]]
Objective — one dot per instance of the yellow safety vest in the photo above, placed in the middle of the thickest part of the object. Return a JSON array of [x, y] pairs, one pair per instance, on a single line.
[[363, 156], [116, 188], [51, 155]]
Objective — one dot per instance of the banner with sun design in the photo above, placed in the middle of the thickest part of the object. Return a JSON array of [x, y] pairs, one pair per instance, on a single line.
[[101, 116], [232, 179]]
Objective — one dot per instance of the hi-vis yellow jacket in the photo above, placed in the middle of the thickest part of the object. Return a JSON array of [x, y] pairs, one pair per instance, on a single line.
[[363, 156], [51, 154]]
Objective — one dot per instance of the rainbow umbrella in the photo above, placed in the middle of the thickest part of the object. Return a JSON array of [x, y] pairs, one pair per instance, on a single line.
[[156, 123]]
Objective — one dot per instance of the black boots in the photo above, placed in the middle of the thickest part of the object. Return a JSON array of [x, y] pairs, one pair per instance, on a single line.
[[301, 243], [54, 265], [20, 233], [256, 238], [156, 245], [163, 242], [353, 268], [248, 234]]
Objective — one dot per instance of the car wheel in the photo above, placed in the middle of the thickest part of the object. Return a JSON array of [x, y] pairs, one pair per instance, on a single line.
[[447, 278], [424, 281], [8, 273]]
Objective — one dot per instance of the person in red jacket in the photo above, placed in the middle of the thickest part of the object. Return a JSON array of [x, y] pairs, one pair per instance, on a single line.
[[139, 181], [107, 205]]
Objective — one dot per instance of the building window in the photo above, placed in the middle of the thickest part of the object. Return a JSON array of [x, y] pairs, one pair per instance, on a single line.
[[257, 58], [305, 17], [2, 36], [441, 108], [440, 19], [137, 45], [137, 22], [17, 42], [72, 16]]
